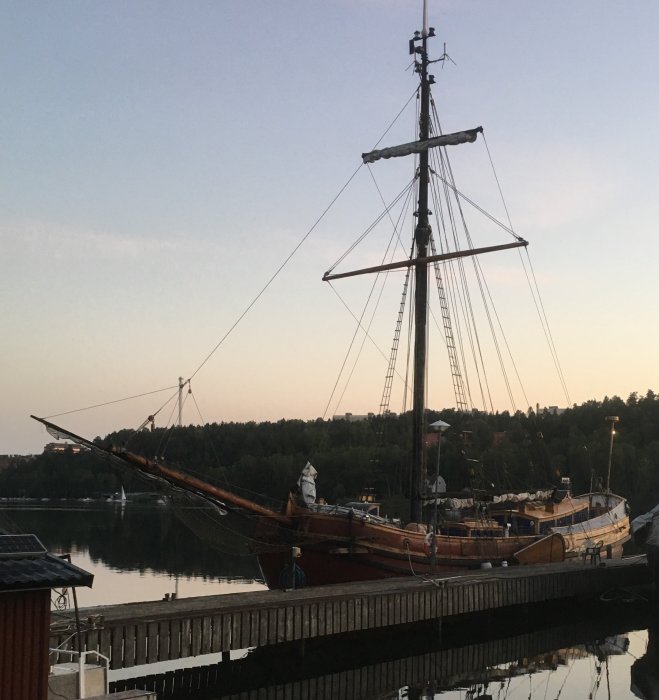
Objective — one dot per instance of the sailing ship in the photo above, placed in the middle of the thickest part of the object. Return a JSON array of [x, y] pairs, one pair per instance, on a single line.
[[316, 543]]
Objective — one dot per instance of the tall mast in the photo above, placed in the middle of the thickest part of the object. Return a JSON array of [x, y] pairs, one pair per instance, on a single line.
[[420, 258], [421, 238], [181, 384]]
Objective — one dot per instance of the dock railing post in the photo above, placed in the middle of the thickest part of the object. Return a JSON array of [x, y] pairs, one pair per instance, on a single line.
[[81, 673]]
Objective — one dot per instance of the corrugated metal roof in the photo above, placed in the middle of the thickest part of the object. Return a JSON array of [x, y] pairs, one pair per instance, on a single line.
[[25, 570]]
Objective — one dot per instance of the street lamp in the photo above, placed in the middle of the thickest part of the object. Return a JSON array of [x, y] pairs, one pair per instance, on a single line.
[[613, 420], [440, 426]]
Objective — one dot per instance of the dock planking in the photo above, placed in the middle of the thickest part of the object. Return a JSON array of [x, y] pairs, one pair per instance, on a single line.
[[134, 634], [411, 657]]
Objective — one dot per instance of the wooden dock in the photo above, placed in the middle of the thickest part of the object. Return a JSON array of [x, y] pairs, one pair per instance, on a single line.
[[379, 667], [134, 634]]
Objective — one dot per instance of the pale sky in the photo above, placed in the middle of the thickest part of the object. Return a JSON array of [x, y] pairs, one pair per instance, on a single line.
[[161, 159]]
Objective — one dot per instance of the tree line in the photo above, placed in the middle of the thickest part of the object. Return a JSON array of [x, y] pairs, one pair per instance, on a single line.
[[502, 451]]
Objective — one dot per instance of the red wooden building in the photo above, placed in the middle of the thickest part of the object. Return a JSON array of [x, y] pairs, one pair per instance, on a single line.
[[27, 575]]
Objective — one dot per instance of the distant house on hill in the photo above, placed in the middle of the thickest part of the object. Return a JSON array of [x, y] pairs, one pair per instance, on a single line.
[[552, 410], [352, 417], [555, 410], [63, 447]]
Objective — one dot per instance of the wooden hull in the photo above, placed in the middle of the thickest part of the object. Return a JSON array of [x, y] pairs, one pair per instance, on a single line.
[[609, 530], [548, 549], [339, 549]]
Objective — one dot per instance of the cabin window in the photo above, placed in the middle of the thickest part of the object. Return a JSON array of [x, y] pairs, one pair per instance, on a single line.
[[519, 525]]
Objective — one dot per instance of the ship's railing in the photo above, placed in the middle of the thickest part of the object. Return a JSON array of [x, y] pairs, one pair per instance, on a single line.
[[351, 512]]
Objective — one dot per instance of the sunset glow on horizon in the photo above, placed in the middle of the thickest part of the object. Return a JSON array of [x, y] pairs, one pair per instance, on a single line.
[[163, 160]]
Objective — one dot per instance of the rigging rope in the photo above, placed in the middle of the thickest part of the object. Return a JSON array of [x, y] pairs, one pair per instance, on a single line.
[[505, 340], [391, 368], [371, 227], [210, 442], [389, 252], [260, 293], [361, 347], [445, 175], [472, 325], [151, 418], [445, 283], [535, 289], [194, 400], [349, 310], [108, 403], [352, 342], [299, 245], [547, 330], [460, 280], [276, 274]]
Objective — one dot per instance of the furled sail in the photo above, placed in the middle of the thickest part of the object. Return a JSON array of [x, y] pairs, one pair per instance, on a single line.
[[457, 503], [406, 149]]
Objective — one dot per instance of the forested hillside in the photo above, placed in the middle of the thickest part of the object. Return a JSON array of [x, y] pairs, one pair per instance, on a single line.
[[500, 451]]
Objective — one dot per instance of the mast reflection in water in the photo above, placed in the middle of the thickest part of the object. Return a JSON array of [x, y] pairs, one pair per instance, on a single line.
[[603, 650]]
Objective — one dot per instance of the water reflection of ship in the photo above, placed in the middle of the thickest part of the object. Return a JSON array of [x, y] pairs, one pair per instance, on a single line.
[[492, 657], [154, 538], [645, 671], [496, 681], [134, 538]]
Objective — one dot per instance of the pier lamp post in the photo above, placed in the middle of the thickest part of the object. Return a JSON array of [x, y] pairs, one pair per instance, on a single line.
[[613, 420], [440, 426]]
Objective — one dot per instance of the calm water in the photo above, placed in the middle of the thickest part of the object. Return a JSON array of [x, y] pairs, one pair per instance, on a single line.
[[144, 552], [136, 552]]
